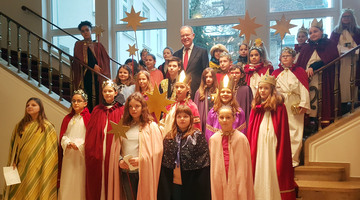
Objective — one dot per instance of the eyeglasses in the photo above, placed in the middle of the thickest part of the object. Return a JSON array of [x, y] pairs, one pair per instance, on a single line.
[[76, 101]]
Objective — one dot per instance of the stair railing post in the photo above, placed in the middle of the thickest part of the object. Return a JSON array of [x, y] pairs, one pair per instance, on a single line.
[[39, 61], [18, 48], [352, 82], [9, 41], [50, 68], [320, 99], [61, 76], [336, 91], [0, 36], [29, 54]]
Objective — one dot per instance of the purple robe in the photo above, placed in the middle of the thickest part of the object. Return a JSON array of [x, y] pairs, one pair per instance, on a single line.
[[213, 125], [327, 51], [356, 37], [244, 97], [203, 107]]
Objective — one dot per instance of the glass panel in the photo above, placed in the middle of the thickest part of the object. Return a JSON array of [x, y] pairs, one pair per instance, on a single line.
[[155, 45], [154, 10], [215, 8], [208, 36], [66, 43], [294, 5], [290, 40], [69, 13]]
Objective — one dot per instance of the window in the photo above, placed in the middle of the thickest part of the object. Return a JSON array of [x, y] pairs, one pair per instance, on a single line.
[[295, 5], [66, 43], [69, 13], [155, 45], [215, 8], [208, 36]]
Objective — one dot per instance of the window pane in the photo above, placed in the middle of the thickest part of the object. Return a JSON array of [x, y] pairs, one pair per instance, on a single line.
[[154, 10], [208, 36], [294, 5], [69, 13], [155, 42], [290, 40], [67, 43], [215, 8]]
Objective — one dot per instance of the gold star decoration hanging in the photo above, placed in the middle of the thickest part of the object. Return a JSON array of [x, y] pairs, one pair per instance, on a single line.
[[157, 102], [132, 49], [247, 26], [118, 129], [98, 30], [133, 19], [282, 27]]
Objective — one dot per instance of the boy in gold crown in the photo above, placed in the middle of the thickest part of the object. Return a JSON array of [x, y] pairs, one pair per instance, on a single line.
[[269, 139]]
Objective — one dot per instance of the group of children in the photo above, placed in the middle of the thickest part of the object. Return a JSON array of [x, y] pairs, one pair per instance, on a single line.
[[248, 146]]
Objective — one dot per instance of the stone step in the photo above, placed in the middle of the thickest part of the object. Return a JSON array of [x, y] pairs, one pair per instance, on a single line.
[[320, 173], [329, 190]]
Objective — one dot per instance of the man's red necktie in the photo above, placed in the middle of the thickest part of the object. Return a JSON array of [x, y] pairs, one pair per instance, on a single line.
[[186, 58]]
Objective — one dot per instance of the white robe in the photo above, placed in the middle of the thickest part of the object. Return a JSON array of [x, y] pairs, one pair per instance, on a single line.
[[314, 82], [266, 185], [346, 42], [254, 81], [72, 181], [295, 93]]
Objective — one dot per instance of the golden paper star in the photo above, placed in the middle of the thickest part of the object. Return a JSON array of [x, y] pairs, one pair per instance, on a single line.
[[157, 102], [118, 129], [133, 19], [98, 30], [132, 49], [282, 27], [247, 26]]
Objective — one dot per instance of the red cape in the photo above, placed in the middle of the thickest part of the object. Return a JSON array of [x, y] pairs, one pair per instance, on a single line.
[[86, 117], [260, 69], [297, 71], [94, 147], [102, 59], [285, 171]]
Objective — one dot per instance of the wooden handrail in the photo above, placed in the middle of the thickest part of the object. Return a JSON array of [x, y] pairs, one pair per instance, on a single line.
[[33, 12], [53, 46], [337, 59]]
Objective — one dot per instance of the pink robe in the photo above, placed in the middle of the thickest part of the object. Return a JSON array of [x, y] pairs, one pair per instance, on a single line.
[[150, 154], [239, 184]]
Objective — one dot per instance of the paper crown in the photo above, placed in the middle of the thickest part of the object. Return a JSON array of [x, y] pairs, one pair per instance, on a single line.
[[318, 24], [81, 93], [109, 83], [303, 29], [267, 78], [226, 83], [258, 42], [183, 78]]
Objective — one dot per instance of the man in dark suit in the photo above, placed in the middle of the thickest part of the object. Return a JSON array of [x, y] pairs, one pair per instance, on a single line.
[[195, 59]]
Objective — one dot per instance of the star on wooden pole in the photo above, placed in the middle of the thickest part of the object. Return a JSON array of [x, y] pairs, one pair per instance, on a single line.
[[282, 27], [118, 129], [247, 26], [132, 50], [133, 19], [157, 102], [98, 30]]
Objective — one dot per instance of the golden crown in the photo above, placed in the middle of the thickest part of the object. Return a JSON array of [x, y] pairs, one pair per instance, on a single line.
[[183, 78], [318, 24], [303, 29], [267, 78]]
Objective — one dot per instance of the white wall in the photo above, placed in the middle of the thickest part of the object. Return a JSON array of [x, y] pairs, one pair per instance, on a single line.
[[340, 145], [14, 93]]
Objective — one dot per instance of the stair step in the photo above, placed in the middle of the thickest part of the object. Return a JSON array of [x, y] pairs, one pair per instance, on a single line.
[[320, 173], [329, 190]]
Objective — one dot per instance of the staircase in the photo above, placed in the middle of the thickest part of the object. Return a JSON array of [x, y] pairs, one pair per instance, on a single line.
[[55, 75], [326, 181]]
